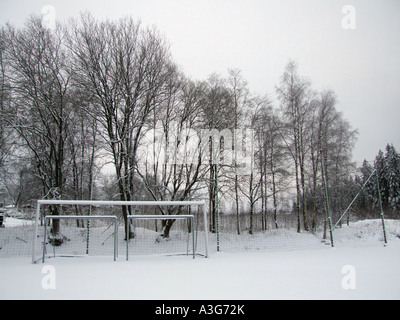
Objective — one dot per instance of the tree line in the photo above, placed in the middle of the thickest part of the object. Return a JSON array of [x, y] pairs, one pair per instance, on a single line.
[[88, 93], [383, 190]]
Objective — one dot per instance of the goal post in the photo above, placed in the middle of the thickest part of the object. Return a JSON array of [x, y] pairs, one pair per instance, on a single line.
[[38, 247]]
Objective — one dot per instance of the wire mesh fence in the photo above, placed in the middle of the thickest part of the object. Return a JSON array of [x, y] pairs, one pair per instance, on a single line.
[[16, 237], [280, 232], [95, 237]]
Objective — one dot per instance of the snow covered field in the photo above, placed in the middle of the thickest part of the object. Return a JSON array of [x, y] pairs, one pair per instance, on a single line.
[[328, 273], [270, 266]]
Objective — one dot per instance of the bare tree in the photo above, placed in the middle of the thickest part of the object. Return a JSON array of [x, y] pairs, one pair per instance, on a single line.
[[273, 160], [40, 88], [250, 184], [85, 150], [7, 137], [173, 168], [218, 114], [294, 95], [330, 143], [51, 121], [323, 116], [337, 158], [240, 95], [125, 67]]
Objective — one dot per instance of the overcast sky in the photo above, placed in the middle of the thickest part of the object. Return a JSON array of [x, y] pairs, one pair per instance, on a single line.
[[354, 53]]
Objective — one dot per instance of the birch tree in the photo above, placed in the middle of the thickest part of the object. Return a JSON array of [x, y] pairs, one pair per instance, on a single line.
[[240, 95], [293, 93], [273, 160], [218, 114]]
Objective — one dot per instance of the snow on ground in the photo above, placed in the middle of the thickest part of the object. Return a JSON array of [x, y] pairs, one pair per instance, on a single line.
[[12, 222], [278, 264], [302, 274]]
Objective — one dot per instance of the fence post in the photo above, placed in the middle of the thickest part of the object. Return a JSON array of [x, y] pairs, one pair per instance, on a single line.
[[381, 207], [205, 221], [327, 202]]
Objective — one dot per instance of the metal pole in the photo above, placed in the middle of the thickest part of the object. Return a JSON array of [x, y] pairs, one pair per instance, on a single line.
[[192, 229], [88, 231], [44, 239], [355, 198], [121, 203], [217, 205], [36, 233], [381, 207], [115, 238], [127, 237], [327, 202], [205, 228]]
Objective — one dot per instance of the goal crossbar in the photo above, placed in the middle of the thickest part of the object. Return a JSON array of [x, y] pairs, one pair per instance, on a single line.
[[43, 202], [121, 203]]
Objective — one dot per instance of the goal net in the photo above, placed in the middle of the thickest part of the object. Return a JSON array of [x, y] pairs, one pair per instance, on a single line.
[[97, 238], [181, 241], [96, 228]]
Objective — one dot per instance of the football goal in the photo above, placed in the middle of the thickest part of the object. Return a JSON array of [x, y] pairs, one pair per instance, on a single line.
[[85, 227], [167, 219], [82, 244]]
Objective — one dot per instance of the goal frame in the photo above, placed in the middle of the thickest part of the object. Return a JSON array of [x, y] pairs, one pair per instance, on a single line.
[[112, 218], [41, 203], [161, 217]]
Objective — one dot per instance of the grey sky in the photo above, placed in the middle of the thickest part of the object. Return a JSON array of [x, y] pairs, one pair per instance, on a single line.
[[361, 65]]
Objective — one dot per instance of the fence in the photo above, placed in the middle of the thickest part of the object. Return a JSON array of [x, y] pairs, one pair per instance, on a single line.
[[17, 235]]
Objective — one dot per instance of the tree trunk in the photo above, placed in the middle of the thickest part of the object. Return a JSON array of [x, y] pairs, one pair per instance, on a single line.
[[55, 237], [237, 204], [167, 225]]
